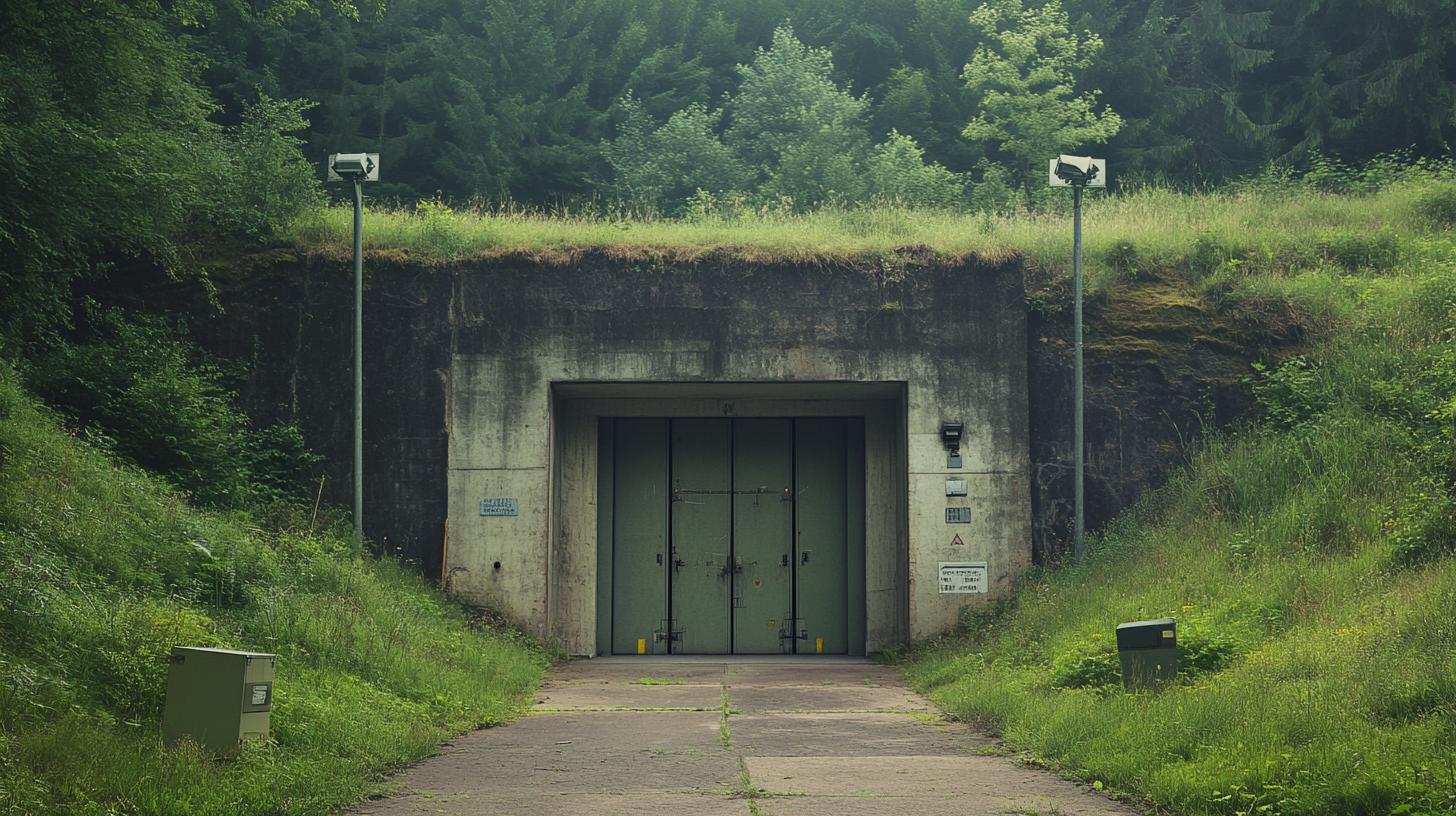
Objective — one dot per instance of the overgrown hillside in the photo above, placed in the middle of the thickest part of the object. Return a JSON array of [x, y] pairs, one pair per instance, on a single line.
[[103, 568], [1310, 559]]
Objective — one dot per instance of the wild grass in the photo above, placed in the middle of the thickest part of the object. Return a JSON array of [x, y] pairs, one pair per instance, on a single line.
[[1310, 561], [103, 568], [1228, 233]]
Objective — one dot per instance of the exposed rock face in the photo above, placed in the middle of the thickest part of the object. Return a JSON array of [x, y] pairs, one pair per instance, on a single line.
[[1164, 363]]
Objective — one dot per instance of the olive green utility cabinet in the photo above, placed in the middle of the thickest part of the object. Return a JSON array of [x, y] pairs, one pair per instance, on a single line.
[[217, 698]]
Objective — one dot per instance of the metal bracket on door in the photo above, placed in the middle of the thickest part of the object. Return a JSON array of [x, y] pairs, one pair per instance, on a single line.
[[734, 567], [787, 494], [787, 633]]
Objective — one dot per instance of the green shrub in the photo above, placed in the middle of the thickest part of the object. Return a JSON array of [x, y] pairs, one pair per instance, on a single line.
[[1210, 256], [1357, 250], [1290, 395], [1437, 206], [138, 386], [1201, 653], [1122, 257], [1421, 526], [1088, 665]]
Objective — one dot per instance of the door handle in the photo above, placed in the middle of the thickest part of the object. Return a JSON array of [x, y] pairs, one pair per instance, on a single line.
[[786, 559], [804, 557], [659, 559]]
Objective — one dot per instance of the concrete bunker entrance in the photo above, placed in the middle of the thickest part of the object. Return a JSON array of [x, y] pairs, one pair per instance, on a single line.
[[734, 518]]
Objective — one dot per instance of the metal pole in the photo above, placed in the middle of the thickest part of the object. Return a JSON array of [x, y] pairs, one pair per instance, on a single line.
[[1079, 546], [358, 364]]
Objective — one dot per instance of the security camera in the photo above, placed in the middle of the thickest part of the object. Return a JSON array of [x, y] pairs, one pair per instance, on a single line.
[[1077, 170], [950, 434], [351, 166]]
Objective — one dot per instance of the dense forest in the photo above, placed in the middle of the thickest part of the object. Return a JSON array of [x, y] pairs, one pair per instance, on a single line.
[[131, 129], [519, 99]]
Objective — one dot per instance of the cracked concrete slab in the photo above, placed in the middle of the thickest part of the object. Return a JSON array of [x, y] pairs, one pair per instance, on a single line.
[[629, 696], [852, 734], [633, 673], [833, 671], [804, 737], [761, 699]]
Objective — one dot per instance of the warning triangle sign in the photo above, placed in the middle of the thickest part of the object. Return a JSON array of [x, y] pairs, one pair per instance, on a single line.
[[956, 542]]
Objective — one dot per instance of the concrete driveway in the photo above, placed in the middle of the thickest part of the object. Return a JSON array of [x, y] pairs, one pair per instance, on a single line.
[[743, 736]]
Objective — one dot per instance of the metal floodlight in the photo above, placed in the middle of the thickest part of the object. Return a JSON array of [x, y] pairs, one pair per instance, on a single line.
[[358, 168], [1077, 171], [354, 166]]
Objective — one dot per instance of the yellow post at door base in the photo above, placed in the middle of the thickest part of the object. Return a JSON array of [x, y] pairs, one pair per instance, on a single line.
[[819, 645], [641, 645]]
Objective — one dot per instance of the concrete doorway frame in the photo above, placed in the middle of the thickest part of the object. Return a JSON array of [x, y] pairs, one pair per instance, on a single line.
[[576, 585]]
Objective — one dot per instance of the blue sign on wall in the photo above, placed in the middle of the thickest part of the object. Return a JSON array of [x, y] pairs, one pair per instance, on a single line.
[[499, 507]]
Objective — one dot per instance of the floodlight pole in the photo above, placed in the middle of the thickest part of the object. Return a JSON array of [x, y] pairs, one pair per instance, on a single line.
[[1079, 525], [359, 363]]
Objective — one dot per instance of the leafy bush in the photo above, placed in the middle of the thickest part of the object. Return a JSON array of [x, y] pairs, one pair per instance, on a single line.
[[664, 166], [1290, 394], [159, 401], [1088, 665], [898, 172], [1421, 526], [260, 178], [1201, 653], [1357, 250], [1122, 256], [1437, 205], [1209, 256]]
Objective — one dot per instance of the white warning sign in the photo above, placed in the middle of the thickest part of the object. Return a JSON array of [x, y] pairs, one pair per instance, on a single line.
[[962, 577]]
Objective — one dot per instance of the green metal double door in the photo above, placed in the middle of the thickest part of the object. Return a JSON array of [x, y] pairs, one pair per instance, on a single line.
[[737, 536]]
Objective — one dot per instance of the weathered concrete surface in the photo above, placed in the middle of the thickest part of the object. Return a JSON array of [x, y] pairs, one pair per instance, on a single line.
[[944, 338], [799, 736]]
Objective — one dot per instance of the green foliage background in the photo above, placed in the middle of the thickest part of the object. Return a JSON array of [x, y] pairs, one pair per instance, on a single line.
[[514, 99]]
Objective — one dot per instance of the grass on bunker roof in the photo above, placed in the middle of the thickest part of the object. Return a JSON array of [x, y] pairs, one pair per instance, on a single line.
[[1148, 227]]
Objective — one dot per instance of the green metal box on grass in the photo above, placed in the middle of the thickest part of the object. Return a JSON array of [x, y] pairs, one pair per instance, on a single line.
[[217, 698], [1149, 653]]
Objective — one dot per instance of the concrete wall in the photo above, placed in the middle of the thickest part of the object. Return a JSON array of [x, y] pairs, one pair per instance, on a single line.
[[1163, 361], [951, 337]]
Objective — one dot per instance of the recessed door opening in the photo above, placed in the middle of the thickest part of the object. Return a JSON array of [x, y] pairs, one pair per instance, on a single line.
[[735, 536]]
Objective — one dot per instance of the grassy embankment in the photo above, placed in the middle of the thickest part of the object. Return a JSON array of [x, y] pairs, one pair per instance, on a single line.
[[1308, 559], [103, 568]]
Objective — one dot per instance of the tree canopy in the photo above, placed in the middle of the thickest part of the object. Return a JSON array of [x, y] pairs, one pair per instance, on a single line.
[[140, 130], [521, 99]]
